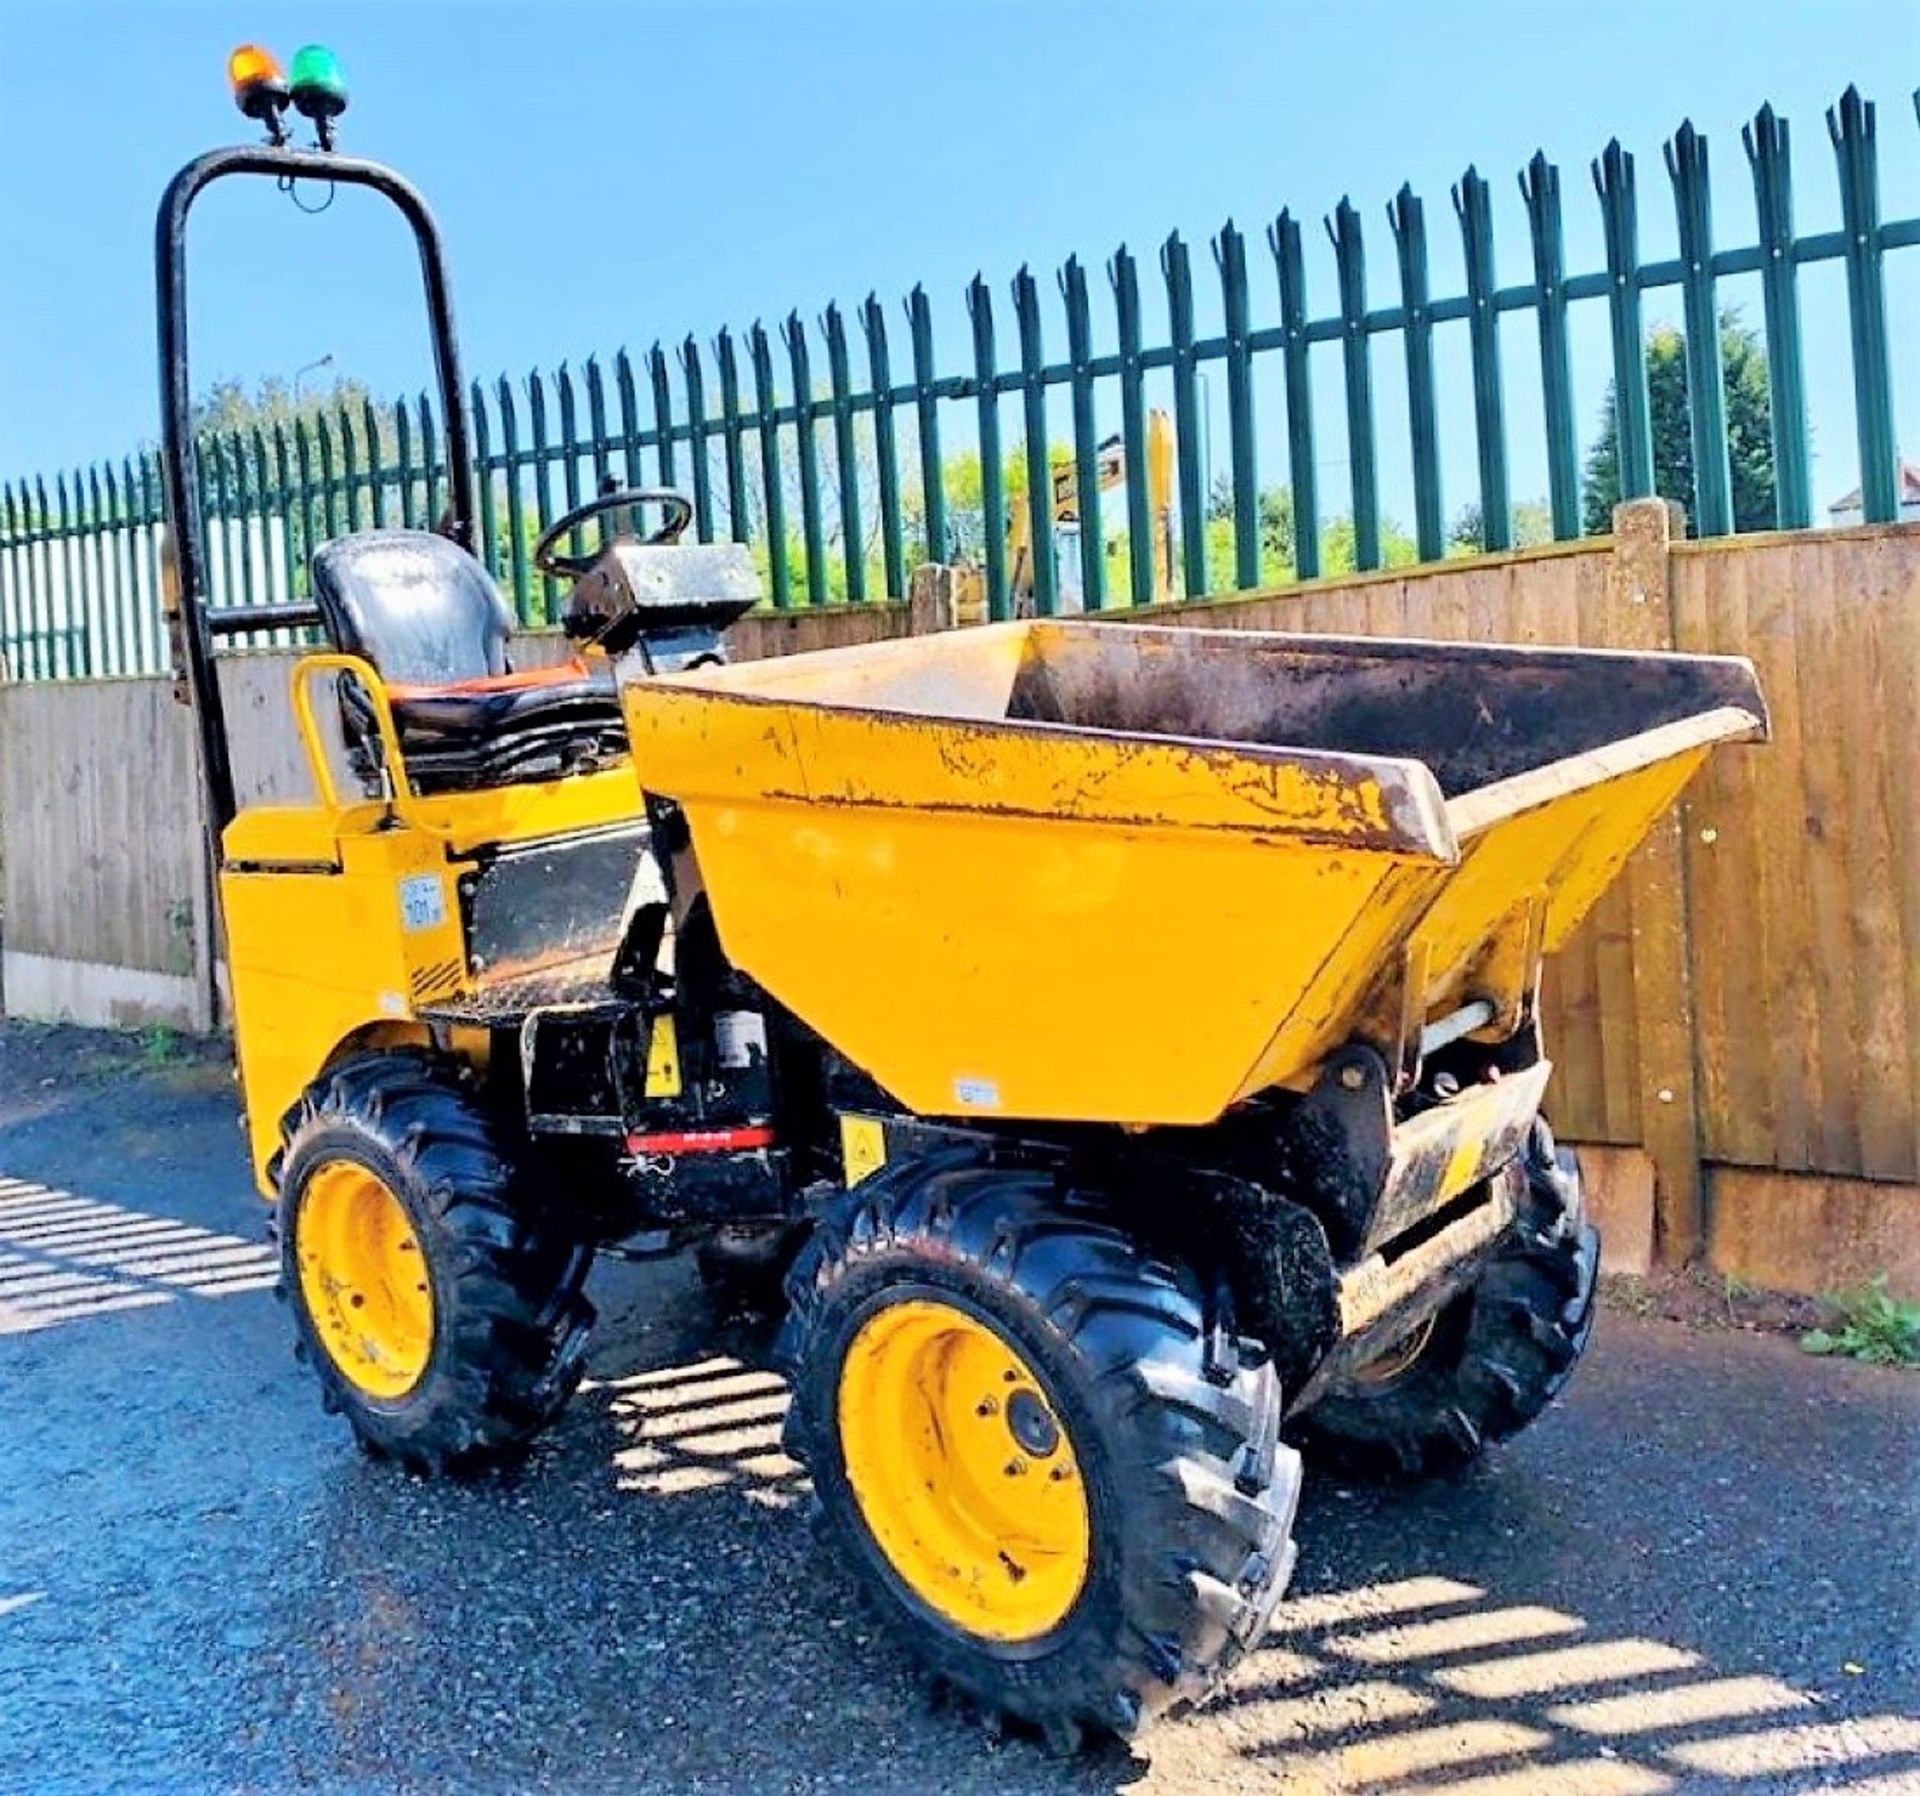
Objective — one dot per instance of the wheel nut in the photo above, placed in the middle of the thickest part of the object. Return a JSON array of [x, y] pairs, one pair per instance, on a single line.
[[1016, 1468], [987, 1407]]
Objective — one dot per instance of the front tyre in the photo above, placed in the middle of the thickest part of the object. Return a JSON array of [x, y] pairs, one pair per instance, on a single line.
[[1489, 1363], [1050, 1464], [443, 1319]]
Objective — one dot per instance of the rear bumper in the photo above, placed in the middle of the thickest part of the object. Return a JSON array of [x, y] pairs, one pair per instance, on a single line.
[[1388, 1295], [1444, 1152]]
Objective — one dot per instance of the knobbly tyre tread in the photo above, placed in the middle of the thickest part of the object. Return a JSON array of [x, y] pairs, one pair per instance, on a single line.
[[1500, 1354], [1193, 1494], [511, 1323]]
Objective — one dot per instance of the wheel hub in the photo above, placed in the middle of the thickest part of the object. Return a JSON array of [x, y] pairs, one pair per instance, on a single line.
[[962, 1471], [1031, 1424], [364, 1279]]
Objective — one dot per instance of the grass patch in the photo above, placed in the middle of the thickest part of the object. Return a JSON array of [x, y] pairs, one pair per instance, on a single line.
[[161, 1046], [1869, 1324]]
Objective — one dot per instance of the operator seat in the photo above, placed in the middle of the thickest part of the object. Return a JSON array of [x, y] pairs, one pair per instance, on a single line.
[[432, 623]]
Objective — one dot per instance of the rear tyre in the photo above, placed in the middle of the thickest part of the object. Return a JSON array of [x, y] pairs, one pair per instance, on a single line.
[[1052, 1467], [1490, 1362], [442, 1319]]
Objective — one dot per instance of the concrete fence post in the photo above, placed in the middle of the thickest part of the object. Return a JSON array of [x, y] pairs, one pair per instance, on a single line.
[[931, 603], [1639, 615]]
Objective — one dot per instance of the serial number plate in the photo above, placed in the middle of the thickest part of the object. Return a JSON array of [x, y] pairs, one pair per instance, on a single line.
[[423, 904]]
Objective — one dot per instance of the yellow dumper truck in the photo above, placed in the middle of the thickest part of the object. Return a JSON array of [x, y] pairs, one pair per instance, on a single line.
[[1116, 1048]]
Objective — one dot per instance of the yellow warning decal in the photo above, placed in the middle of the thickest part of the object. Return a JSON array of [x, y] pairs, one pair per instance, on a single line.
[[863, 1147], [663, 1060]]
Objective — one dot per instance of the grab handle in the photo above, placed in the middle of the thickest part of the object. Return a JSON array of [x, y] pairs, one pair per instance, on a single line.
[[402, 800]]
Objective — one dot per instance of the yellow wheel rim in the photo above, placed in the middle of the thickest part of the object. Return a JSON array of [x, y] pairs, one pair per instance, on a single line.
[[963, 1472], [364, 1279]]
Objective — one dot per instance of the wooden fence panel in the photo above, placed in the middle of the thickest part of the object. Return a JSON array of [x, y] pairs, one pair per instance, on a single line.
[[1804, 860], [99, 794]]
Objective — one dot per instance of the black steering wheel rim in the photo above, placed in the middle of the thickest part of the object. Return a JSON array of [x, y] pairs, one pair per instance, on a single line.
[[546, 556]]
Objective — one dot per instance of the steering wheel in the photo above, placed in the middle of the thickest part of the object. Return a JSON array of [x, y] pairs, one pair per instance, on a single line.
[[546, 555]]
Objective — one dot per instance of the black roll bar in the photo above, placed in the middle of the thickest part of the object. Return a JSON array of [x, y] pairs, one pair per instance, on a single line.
[[197, 626]]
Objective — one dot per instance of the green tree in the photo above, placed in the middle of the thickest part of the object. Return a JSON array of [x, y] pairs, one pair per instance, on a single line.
[[1749, 430], [228, 405], [1532, 522], [1276, 532], [1279, 538], [1339, 547]]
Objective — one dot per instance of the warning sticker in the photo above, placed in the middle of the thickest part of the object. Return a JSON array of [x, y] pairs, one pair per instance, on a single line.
[[740, 1037]]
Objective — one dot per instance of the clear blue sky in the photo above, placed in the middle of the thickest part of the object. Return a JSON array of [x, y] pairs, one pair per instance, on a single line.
[[620, 173]]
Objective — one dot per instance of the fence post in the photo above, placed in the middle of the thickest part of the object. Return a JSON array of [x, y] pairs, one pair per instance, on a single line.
[[932, 599], [733, 435], [1706, 372], [993, 509], [846, 455], [1851, 126], [926, 400], [662, 415], [1639, 615], [1540, 187], [1143, 578], [1768, 144], [1176, 270], [1042, 563], [695, 380], [1632, 408], [766, 401], [1408, 217], [1473, 206], [813, 530], [1283, 239], [1350, 253], [1086, 436], [1230, 259], [886, 448], [597, 423]]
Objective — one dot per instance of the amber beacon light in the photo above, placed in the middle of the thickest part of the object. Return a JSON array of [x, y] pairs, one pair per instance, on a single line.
[[259, 87]]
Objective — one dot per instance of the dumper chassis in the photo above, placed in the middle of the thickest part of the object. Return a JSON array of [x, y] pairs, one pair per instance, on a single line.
[[1069, 1270]]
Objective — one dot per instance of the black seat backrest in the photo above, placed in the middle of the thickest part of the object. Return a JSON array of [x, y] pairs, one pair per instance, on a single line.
[[416, 605]]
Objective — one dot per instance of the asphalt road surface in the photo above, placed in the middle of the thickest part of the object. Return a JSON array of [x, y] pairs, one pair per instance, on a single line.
[[1698, 1573]]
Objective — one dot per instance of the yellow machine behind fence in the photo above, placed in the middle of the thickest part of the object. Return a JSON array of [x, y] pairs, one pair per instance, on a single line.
[[1070, 512], [1112, 1051]]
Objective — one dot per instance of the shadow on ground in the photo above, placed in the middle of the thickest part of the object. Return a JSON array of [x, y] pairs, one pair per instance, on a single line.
[[1697, 1573]]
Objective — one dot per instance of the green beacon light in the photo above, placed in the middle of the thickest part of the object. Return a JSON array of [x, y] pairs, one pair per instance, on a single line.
[[319, 89]]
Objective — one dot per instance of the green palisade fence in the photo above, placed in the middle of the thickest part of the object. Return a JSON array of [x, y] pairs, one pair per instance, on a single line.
[[831, 465]]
